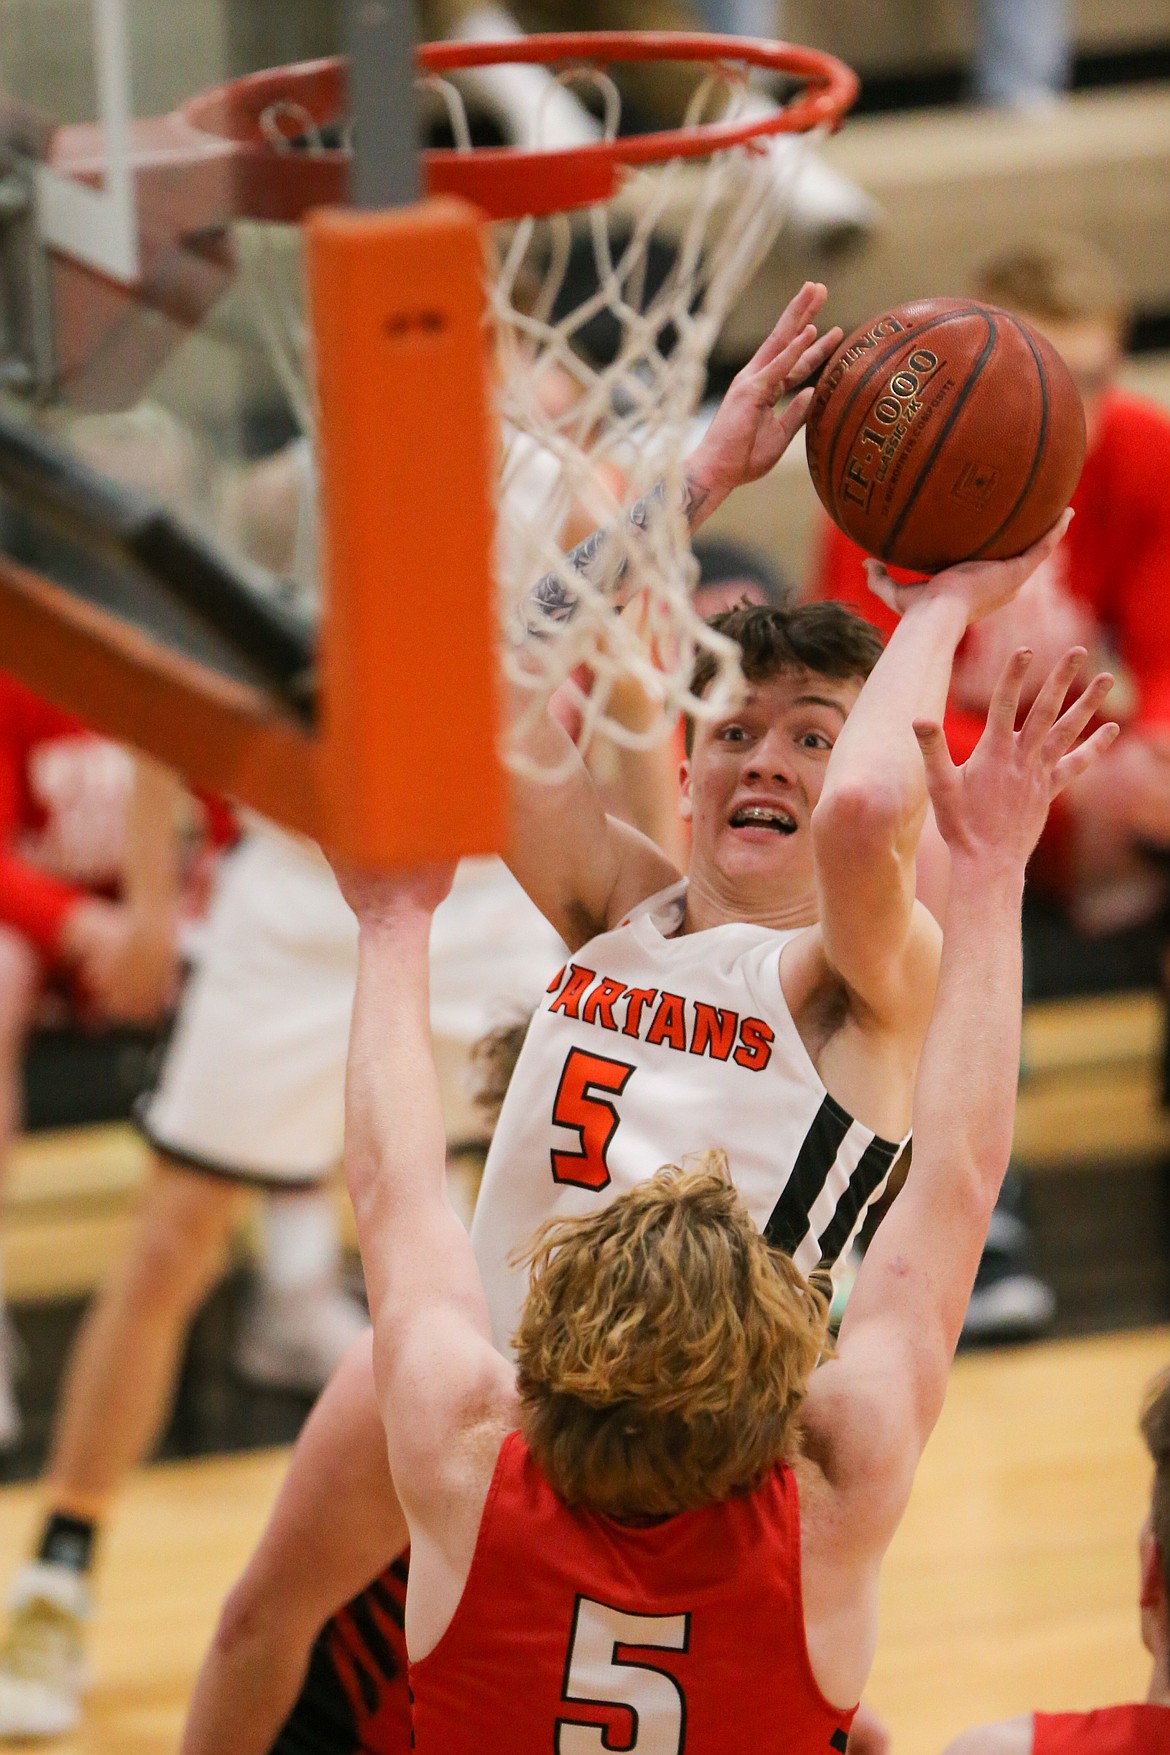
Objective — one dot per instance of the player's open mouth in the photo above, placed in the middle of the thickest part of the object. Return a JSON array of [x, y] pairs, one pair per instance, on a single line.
[[764, 816]]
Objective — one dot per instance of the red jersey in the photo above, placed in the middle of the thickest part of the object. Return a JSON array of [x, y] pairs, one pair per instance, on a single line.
[[31, 900], [35, 901], [576, 1632], [1112, 1730]]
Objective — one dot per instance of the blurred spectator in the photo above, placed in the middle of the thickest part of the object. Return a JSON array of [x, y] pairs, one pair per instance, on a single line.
[[1140, 1729], [299, 1320], [743, 18], [89, 899], [825, 210], [1094, 918], [1023, 53], [1023, 48]]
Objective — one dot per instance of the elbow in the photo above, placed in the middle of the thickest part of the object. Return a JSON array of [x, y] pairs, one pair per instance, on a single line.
[[857, 817], [975, 1182]]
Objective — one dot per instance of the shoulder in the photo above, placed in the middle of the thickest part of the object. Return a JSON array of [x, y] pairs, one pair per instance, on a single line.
[[644, 873], [856, 1467], [1133, 443], [1126, 415], [458, 1388], [1010, 1736]]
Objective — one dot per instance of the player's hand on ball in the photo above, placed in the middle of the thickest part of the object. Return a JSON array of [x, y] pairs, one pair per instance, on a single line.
[[751, 431], [995, 805], [981, 586], [394, 899]]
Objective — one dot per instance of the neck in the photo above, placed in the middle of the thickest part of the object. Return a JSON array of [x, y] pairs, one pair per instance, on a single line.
[[1158, 1693], [711, 901]]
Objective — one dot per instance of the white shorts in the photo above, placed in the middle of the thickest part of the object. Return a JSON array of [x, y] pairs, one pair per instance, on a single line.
[[252, 1085]]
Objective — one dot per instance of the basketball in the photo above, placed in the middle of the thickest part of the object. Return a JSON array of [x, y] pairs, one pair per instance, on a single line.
[[944, 431]]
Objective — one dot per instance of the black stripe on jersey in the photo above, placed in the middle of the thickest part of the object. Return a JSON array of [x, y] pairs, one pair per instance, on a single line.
[[390, 1604], [373, 1639], [788, 1223], [840, 1741], [872, 1168]]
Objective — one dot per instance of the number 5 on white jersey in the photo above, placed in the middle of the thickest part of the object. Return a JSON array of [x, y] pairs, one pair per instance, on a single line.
[[595, 1675]]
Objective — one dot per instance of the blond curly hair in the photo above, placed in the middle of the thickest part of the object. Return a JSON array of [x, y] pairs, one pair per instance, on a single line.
[[664, 1349]]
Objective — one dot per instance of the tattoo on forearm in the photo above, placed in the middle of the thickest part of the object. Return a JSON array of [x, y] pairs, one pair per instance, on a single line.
[[601, 560]]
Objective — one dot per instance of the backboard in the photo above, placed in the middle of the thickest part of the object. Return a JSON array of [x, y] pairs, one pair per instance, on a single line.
[[137, 358]]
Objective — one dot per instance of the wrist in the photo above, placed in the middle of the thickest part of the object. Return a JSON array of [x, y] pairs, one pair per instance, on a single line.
[[942, 610], [987, 874], [406, 926], [703, 493]]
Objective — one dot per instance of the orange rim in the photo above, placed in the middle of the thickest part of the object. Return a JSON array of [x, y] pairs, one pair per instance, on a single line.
[[506, 182]]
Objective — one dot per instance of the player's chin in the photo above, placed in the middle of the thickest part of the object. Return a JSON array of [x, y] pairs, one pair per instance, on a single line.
[[753, 850]]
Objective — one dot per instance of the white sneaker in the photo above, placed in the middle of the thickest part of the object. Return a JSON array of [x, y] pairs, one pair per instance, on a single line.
[[296, 1341], [826, 211], [534, 109], [843, 1284], [43, 1673]]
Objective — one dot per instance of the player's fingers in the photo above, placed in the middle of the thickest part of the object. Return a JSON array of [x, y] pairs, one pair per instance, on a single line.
[[936, 756], [876, 575], [795, 315], [1075, 717], [1005, 697], [794, 414], [1074, 764], [814, 357], [773, 379], [1050, 699]]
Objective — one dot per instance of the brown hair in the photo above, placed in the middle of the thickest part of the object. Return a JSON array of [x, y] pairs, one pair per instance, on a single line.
[[493, 1061], [826, 638], [1063, 279], [664, 1349], [1155, 1429]]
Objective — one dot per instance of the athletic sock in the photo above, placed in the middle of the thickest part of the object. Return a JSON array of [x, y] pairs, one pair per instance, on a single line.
[[68, 1541]]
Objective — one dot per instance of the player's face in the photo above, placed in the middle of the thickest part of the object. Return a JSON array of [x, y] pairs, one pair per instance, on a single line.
[[754, 778], [1091, 348]]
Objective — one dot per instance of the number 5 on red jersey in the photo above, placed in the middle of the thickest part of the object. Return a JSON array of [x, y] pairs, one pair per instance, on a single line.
[[592, 1117]]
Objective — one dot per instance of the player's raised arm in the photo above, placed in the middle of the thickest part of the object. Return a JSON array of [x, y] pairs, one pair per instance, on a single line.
[[582, 868], [433, 1357], [867, 822], [876, 1403]]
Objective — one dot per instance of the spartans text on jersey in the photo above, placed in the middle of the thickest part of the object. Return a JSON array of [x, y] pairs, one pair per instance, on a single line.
[[667, 1020]]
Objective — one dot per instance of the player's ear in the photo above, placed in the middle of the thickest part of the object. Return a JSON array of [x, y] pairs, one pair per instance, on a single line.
[[684, 790]]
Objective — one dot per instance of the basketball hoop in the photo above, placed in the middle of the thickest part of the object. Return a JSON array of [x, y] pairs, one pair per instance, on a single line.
[[652, 236], [667, 228]]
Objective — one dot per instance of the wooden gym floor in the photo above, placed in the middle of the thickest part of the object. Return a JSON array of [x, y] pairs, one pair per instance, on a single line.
[[1012, 1582]]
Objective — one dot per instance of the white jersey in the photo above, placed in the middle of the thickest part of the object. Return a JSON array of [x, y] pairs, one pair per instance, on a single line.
[[648, 1048]]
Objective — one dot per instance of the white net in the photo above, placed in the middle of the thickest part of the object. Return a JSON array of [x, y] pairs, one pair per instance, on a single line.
[[605, 320]]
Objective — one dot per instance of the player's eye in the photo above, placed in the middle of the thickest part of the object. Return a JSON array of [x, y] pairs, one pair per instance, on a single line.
[[732, 734], [815, 740]]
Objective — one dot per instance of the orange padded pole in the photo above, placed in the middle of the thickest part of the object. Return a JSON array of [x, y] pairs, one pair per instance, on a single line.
[[407, 750]]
